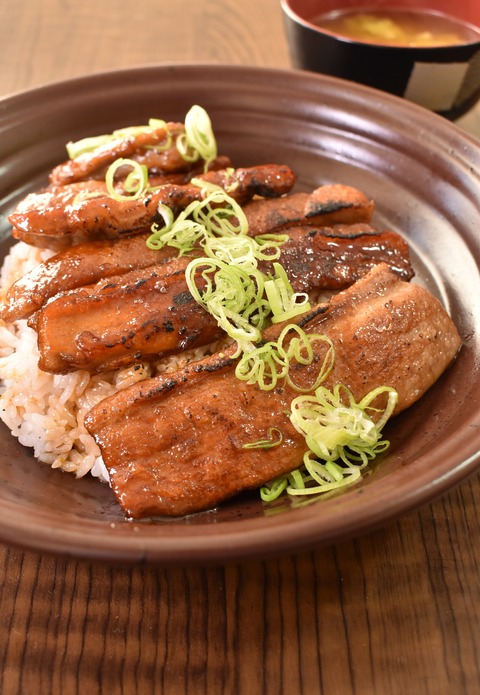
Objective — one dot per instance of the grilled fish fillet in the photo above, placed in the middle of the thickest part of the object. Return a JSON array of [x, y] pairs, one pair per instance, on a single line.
[[136, 146], [61, 216], [174, 444], [149, 313], [87, 263]]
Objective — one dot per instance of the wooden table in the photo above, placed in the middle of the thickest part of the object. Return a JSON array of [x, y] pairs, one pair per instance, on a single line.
[[394, 612]]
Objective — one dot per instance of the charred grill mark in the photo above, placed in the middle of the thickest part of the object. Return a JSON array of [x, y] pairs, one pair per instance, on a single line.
[[309, 316], [142, 281], [345, 232], [190, 338], [183, 298], [166, 386], [330, 206], [214, 365]]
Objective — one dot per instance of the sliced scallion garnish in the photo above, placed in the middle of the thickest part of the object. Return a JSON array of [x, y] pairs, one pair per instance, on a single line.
[[341, 436], [335, 426], [135, 183], [284, 302], [233, 296], [270, 362], [274, 438], [75, 149], [90, 144], [199, 139], [216, 215]]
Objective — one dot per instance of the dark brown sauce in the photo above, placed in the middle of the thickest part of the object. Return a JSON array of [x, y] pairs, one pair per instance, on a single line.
[[398, 27]]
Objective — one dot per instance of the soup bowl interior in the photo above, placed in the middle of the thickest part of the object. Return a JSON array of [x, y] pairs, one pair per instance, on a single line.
[[445, 79], [466, 11]]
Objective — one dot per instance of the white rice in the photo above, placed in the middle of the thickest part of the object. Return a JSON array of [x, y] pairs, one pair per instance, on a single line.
[[46, 411]]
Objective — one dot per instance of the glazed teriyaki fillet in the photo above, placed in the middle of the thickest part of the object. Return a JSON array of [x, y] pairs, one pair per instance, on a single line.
[[89, 262], [61, 216], [149, 313], [107, 304], [174, 444]]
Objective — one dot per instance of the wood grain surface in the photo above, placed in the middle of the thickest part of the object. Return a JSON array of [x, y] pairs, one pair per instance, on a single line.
[[391, 613]]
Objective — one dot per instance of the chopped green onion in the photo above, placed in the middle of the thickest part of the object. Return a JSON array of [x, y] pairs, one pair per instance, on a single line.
[[135, 183], [220, 214], [274, 438], [341, 436], [206, 186], [271, 492], [317, 477], [167, 214], [296, 479], [90, 144], [181, 234], [239, 250], [265, 366], [154, 124], [233, 296], [216, 215], [284, 303], [186, 152], [300, 349], [230, 184], [268, 246], [157, 124], [235, 250], [335, 426], [198, 140], [75, 149], [269, 363]]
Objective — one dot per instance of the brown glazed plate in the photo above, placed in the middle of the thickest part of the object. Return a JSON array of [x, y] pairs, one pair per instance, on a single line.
[[424, 175]]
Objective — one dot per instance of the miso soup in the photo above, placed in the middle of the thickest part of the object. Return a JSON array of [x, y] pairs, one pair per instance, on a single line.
[[398, 27]]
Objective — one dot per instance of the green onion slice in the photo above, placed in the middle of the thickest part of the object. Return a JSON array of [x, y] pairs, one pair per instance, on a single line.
[[75, 149], [135, 184], [271, 362], [285, 303], [216, 215], [317, 477], [233, 296], [336, 427], [274, 438], [269, 493], [90, 144], [300, 350], [342, 439], [268, 246], [198, 140], [265, 366]]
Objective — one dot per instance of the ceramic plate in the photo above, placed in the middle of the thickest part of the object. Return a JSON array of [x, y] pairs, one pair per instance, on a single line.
[[424, 175]]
